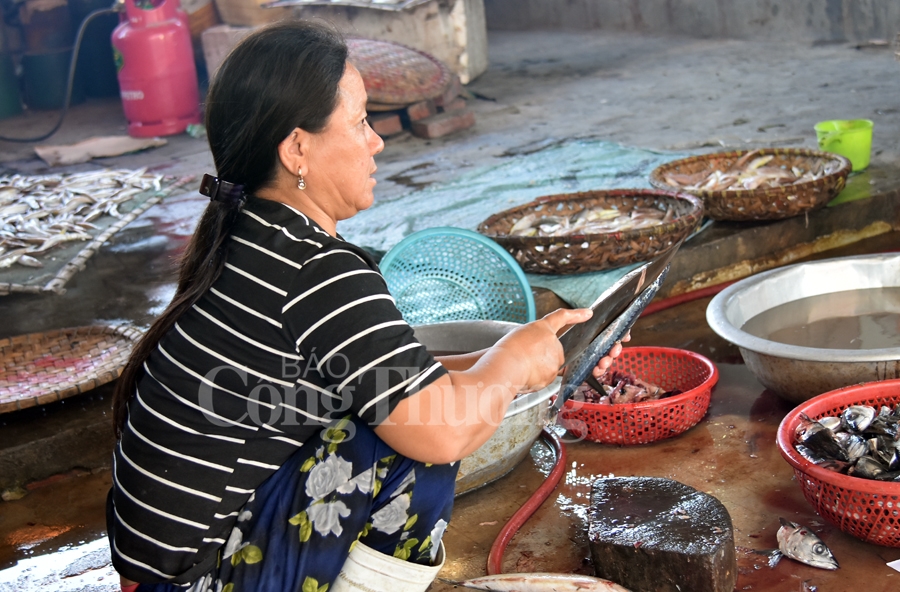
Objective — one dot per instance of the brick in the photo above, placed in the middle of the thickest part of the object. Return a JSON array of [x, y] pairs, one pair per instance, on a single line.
[[421, 110], [457, 104], [443, 124], [386, 124], [453, 90]]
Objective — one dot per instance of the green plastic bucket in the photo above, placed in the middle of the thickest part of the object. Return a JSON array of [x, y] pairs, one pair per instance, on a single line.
[[10, 101], [848, 137]]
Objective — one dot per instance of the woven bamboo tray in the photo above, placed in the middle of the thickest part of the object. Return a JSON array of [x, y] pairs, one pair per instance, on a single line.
[[395, 74], [578, 253], [41, 368], [767, 203]]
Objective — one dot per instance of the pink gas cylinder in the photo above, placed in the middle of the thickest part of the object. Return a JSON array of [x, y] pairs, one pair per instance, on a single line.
[[157, 76]]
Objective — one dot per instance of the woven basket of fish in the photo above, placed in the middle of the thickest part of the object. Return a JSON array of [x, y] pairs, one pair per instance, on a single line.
[[40, 368], [648, 394], [764, 184], [842, 446], [593, 230]]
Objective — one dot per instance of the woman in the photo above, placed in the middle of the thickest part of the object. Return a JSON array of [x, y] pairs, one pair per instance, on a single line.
[[280, 413]]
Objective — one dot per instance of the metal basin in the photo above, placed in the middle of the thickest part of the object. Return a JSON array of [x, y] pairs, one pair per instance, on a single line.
[[523, 421], [799, 373]]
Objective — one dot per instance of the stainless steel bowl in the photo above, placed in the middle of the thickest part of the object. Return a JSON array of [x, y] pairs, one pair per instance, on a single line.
[[799, 373], [523, 421]]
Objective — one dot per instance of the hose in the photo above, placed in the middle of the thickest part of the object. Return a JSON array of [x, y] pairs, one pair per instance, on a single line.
[[71, 80], [495, 557], [665, 303]]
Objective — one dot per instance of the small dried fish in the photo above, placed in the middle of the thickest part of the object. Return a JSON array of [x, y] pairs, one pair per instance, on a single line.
[[591, 221], [750, 172], [42, 211]]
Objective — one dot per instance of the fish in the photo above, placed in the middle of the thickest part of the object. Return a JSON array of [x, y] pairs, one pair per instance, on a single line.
[[748, 172], [858, 417], [591, 221], [41, 211], [862, 442], [541, 582], [577, 372], [801, 544]]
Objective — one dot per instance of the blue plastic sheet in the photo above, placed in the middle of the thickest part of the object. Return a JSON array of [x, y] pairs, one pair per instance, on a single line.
[[567, 167]]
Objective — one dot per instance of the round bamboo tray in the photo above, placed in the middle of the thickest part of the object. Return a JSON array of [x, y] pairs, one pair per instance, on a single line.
[[769, 203], [578, 253], [395, 74], [41, 368]]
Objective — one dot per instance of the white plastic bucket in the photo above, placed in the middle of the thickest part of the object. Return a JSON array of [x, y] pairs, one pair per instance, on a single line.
[[367, 570]]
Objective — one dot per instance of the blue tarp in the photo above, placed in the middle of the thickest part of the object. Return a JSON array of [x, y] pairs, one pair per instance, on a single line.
[[567, 167]]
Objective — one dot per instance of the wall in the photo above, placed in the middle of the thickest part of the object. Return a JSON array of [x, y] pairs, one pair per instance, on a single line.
[[454, 31], [815, 20]]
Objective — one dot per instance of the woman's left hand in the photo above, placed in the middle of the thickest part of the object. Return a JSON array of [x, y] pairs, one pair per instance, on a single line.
[[607, 360]]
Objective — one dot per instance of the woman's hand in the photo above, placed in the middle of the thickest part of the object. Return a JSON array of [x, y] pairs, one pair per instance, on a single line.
[[536, 347], [607, 360], [458, 412]]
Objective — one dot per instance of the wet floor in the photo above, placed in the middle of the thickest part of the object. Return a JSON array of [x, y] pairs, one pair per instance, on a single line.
[[731, 454]]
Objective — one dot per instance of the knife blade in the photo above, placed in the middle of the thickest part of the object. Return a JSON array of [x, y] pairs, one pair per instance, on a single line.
[[612, 303], [576, 372]]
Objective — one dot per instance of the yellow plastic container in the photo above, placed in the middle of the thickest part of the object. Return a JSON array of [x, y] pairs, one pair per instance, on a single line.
[[850, 137]]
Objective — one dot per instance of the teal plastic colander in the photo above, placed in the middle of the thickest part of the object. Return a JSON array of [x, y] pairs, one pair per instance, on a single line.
[[451, 274]]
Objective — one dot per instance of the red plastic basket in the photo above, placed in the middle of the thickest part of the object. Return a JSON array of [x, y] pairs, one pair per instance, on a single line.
[[864, 508], [641, 423]]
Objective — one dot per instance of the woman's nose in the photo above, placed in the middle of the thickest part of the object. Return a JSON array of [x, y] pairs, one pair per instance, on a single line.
[[375, 142]]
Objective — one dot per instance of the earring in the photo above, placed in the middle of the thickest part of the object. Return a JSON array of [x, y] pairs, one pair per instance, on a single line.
[[301, 182]]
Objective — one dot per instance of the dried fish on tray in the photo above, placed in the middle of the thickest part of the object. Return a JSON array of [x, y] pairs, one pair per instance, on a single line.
[[570, 234], [762, 184], [592, 221], [752, 171], [40, 212]]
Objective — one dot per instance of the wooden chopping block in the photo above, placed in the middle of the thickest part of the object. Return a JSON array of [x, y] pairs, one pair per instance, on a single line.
[[652, 534]]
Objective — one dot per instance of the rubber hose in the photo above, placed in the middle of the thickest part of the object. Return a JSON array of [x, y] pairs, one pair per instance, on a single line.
[[71, 80], [495, 557], [665, 303]]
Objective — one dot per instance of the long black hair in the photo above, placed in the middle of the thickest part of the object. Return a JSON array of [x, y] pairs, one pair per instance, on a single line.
[[281, 77]]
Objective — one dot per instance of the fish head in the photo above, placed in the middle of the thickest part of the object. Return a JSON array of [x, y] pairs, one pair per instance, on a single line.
[[801, 544], [858, 417]]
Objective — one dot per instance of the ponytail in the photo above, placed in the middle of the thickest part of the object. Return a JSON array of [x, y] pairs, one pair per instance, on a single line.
[[278, 78]]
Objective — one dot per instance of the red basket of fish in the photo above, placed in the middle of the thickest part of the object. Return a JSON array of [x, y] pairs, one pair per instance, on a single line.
[[763, 184], [850, 480], [593, 230], [668, 389]]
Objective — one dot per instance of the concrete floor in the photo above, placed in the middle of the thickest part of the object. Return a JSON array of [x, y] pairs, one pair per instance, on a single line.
[[653, 92]]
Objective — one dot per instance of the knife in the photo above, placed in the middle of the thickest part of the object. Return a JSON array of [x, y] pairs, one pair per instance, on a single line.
[[576, 372], [612, 303]]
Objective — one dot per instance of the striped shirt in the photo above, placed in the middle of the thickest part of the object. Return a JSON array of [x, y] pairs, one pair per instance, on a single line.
[[298, 331]]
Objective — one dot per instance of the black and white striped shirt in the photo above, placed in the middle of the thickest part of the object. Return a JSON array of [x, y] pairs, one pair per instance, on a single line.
[[298, 331]]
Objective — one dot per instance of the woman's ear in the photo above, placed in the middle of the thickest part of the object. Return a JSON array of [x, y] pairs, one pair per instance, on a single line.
[[293, 151]]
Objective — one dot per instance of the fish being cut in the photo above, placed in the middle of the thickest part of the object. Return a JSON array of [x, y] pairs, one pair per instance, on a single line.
[[541, 582]]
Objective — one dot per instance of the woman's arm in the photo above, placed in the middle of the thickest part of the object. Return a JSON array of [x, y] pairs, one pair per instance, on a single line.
[[457, 413], [460, 362]]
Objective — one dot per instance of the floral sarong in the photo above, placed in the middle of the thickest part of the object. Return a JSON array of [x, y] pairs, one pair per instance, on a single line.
[[346, 485]]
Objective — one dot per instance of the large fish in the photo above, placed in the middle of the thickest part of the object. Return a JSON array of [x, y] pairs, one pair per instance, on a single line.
[[541, 582], [576, 372], [801, 544]]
